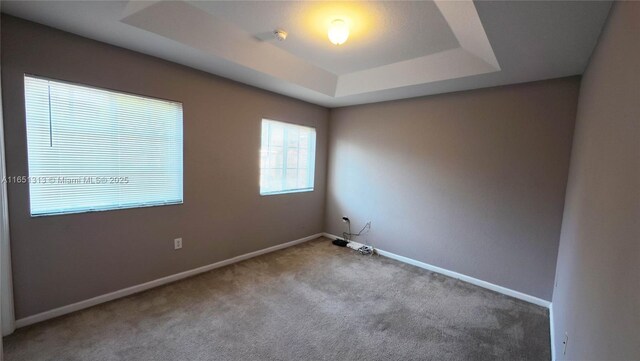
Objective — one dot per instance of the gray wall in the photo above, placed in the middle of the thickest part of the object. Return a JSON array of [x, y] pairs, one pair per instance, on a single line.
[[58, 260], [472, 182], [597, 297]]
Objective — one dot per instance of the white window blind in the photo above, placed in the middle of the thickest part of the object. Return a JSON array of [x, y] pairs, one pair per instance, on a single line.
[[287, 157], [91, 149]]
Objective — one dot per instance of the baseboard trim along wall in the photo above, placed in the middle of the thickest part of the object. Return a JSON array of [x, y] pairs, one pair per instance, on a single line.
[[552, 333], [56, 312], [462, 277]]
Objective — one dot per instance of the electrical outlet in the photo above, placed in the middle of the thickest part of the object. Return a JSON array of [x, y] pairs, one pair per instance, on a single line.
[[177, 243], [564, 343]]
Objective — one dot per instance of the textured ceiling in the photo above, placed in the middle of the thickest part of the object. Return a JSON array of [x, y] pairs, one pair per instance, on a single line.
[[397, 49]]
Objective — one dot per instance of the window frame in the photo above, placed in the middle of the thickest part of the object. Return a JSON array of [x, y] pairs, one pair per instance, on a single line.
[[71, 211], [311, 159]]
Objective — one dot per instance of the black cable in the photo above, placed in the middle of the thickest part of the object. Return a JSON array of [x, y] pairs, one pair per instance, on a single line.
[[348, 235]]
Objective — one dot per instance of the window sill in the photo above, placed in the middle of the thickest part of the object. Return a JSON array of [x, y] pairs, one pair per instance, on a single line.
[[106, 209], [287, 192]]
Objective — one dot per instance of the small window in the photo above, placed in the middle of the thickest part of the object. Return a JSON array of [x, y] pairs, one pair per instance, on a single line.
[[93, 150], [287, 158]]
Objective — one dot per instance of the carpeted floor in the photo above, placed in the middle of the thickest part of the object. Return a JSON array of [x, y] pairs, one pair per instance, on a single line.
[[314, 301]]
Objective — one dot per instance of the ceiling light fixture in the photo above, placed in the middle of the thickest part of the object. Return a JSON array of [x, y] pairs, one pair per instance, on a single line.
[[338, 31]]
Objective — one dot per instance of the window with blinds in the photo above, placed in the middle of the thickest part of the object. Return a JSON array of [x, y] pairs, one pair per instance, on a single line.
[[287, 158], [92, 149]]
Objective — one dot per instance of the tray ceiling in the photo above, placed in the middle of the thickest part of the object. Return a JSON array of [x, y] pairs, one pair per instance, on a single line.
[[395, 50]]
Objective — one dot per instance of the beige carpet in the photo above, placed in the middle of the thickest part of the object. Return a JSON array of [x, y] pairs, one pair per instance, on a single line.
[[314, 301]]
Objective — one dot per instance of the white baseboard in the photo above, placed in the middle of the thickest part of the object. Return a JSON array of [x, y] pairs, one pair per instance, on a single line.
[[552, 333], [462, 277], [151, 284]]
